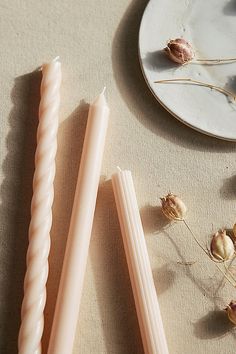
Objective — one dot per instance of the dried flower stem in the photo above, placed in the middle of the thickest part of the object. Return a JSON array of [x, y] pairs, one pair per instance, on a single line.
[[229, 272], [200, 83], [213, 61], [204, 250], [195, 238]]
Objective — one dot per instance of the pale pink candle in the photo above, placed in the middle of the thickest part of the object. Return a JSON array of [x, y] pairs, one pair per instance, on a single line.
[[148, 311], [75, 259], [32, 319]]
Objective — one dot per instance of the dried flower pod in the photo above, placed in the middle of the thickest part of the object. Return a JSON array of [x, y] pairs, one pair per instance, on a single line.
[[222, 247], [173, 207], [231, 311], [234, 230], [179, 50]]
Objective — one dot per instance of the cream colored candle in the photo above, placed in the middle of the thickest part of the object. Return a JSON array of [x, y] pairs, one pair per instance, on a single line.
[[74, 265], [32, 320], [148, 312]]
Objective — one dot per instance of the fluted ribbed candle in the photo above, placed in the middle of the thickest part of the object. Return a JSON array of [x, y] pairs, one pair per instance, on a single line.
[[77, 246], [147, 307], [32, 319]]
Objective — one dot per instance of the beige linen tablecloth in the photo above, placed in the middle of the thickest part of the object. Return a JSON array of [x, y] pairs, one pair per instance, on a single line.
[[97, 44]]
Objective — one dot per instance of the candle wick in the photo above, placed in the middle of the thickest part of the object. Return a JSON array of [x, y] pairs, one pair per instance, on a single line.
[[103, 91]]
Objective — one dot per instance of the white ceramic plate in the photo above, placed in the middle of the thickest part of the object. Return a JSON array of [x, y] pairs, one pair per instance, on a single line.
[[210, 26]]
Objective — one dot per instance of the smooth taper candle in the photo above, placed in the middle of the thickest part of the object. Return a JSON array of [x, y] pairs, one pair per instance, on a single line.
[[32, 320], [147, 307], [75, 259]]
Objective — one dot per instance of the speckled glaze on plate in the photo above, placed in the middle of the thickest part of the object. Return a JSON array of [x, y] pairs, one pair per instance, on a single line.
[[210, 26]]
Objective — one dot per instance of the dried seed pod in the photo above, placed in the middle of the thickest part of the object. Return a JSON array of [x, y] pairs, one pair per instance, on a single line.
[[179, 50], [222, 247], [234, 230], [231, 311], [173, 207]]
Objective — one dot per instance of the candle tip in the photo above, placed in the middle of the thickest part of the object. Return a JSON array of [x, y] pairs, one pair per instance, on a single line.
[[119, 169], [101, 99], [56, 58]]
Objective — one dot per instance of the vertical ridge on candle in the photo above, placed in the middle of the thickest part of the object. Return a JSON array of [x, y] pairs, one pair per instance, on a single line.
[[32, 320], [136, 245], [122, 206], [144, 291], [133, 245]]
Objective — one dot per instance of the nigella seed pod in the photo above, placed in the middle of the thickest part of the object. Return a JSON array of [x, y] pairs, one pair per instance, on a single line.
[[179, 50], [222, 247], [173, 207], [234, 230], [231, 311]]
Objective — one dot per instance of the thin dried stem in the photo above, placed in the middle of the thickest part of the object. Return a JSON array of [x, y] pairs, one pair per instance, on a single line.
[[200, 83], [214, 61], [225, 275], [207, 253], [229, 272]]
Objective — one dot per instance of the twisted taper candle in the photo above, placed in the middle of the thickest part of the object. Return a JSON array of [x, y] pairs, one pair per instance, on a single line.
[[32, 319]]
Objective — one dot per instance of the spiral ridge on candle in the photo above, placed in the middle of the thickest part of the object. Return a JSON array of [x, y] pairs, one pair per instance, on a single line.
[[32, 319]]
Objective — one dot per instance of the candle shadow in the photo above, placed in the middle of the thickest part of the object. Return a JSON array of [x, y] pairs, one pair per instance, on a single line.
[[70, 143], [110, 270], [16, 194], [137, 96]]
